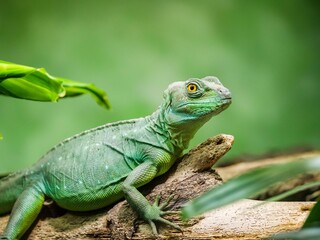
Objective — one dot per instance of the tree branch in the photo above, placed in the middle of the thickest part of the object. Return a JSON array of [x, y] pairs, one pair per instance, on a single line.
[[189, 177]]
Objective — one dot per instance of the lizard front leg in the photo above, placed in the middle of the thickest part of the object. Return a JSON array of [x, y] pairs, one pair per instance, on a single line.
[[24, 212], [141, 175]]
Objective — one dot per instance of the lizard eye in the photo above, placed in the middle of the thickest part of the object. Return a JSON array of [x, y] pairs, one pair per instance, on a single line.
[[192, 88]]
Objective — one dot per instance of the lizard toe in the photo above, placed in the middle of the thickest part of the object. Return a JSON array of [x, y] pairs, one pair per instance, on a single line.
[[167, 222]]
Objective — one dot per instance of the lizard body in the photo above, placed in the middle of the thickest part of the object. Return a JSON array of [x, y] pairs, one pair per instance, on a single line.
[[98, 167]]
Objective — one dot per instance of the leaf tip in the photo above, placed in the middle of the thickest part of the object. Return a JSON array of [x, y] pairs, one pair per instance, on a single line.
[[187, 212]]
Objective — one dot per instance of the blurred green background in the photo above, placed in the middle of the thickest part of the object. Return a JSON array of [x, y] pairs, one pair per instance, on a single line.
[[266, 52]]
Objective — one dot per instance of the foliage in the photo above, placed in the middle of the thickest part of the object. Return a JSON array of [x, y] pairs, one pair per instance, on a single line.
[[313, 219], [252, 183], [293, 191], [30, 83], [36, 84]]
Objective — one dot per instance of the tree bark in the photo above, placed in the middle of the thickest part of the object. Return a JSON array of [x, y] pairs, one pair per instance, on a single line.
[[191, 176]]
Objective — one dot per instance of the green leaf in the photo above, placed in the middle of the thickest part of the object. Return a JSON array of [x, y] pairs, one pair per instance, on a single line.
[[247, 185], [293, 191], [8, 70], [1, 137], [36, 84], [77, 88], [313, 219]]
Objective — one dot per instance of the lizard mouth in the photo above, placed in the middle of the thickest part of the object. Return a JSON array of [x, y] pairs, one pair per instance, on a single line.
[[221, 101], [204, 108], [193, 103], [227, 100]]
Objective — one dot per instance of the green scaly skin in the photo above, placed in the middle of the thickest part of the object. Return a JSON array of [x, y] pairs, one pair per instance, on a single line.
[[97, 167]]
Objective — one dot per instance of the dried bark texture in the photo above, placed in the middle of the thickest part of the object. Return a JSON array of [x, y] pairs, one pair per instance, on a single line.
[[190, 177]]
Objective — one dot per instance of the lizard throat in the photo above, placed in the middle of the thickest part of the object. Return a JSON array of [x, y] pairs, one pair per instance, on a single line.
[[176, 136]]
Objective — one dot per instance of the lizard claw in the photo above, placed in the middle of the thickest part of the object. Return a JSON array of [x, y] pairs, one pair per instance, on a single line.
[[165, 221], [157, 210], [164, 204], [157, 200], [153, 227]]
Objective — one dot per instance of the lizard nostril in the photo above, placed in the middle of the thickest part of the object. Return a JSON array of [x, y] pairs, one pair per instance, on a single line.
[[224, 93]]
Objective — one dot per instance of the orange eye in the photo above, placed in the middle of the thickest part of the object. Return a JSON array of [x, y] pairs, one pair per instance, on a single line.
[[192, 88]]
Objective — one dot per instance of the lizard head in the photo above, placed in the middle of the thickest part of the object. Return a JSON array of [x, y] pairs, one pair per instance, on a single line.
[[190, 104], [195, 99]]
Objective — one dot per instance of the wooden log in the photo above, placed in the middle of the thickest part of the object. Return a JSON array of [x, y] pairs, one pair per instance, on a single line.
[[190, 177]]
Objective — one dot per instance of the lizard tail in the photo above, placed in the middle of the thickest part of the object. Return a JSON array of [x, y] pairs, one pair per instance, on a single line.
[[11, 187]]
